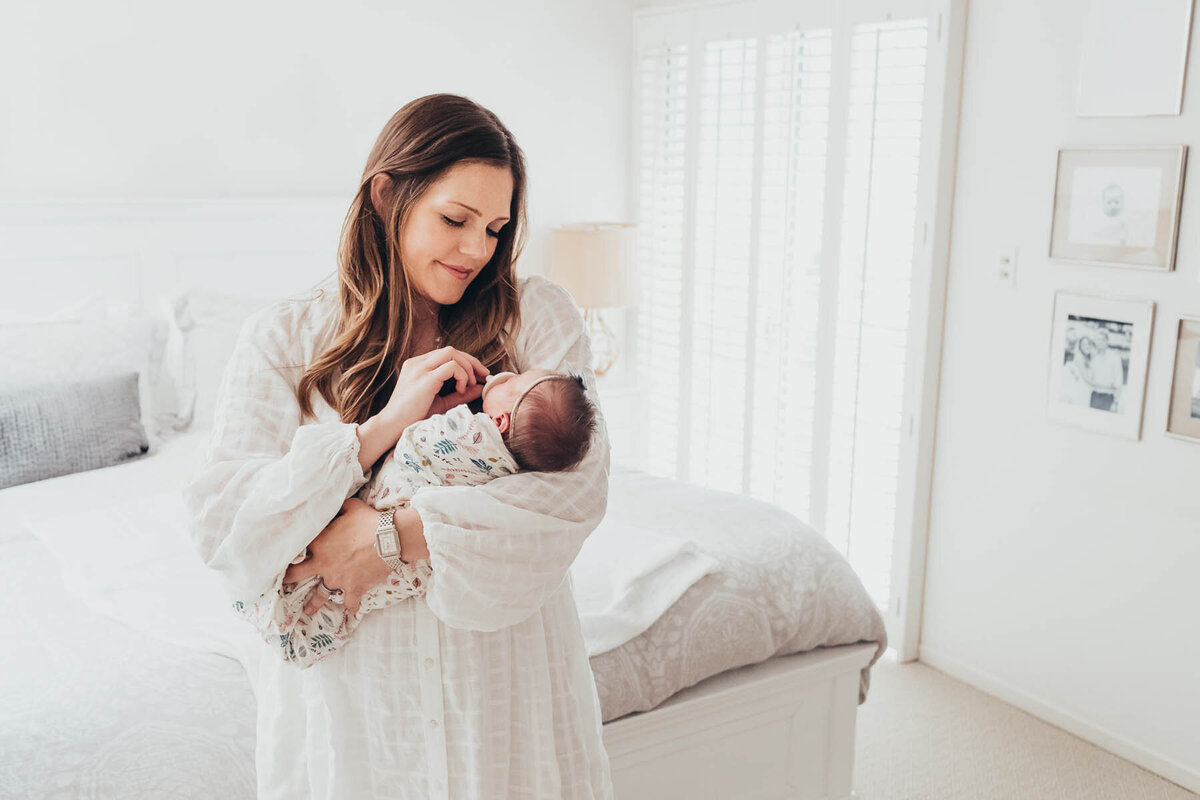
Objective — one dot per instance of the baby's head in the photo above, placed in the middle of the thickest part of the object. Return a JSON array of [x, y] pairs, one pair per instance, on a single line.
[[545, 418]]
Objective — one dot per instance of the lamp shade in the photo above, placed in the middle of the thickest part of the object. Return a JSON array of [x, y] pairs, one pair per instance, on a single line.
[[594, 262]]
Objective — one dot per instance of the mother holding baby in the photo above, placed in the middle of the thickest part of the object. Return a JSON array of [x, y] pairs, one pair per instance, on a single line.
[[478, 686]]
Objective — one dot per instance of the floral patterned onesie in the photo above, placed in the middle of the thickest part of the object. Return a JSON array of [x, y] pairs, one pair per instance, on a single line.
[[457, 448]]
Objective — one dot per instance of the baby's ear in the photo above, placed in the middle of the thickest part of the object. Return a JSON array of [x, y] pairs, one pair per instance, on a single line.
[[501, 421]]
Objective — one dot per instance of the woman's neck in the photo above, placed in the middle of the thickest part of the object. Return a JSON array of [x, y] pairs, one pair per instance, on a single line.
[[425, 314]]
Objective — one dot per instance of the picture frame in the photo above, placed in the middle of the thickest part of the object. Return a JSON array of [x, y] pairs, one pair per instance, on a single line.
[[1133, 58], [1183, 412], [1099, 352], [1118, 206]]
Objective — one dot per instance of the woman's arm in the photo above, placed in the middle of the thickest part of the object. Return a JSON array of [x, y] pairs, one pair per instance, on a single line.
[[303, 638], [500, 549], [265, 485]]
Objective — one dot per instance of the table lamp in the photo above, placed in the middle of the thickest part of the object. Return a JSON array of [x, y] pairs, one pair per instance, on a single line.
[[594, 261]]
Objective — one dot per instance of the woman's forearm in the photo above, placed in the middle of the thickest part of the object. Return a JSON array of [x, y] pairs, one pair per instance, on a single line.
[[376, 436], [412, 535]]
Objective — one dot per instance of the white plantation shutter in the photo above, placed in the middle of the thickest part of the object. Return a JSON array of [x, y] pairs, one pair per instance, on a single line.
[[795, 131], [661, 117], [721, 265], [883, 145], [777, 160]]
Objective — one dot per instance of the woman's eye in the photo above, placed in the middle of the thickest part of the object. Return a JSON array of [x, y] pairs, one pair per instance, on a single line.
[[454, 223]]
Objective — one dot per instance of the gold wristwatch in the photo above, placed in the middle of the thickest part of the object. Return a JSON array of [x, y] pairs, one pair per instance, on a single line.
[[387, 540]]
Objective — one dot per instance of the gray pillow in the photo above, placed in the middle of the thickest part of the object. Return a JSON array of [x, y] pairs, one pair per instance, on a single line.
[[55, 429]]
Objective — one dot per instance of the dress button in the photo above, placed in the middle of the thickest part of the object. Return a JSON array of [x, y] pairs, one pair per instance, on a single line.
[[433, 723], [429, 663]]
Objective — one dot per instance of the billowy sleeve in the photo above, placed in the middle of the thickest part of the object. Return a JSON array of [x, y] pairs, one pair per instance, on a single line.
[[265, 485], [500, 549]]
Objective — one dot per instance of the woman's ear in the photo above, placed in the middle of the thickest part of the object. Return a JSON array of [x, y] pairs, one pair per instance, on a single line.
[[381, 186]]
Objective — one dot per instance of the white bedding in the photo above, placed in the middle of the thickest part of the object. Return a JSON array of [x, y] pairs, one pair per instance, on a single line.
[[101, 702], [121, 542]]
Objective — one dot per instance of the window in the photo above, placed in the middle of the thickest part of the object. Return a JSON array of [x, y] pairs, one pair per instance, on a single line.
[[777, 173]]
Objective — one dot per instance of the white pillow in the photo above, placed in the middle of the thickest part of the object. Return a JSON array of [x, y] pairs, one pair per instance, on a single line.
[[84, 349], [205, 328]]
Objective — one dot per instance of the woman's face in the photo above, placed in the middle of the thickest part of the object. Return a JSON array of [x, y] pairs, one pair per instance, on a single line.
[[1085, 346], [451, 231]]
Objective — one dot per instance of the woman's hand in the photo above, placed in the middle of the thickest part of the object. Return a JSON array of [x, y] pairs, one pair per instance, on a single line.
[[344, 555], [421, 378]]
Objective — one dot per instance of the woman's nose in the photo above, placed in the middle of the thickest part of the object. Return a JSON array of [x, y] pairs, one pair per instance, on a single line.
[[473, 245]]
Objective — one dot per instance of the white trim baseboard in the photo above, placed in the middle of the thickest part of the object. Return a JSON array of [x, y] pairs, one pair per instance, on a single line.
[[1046, 711]]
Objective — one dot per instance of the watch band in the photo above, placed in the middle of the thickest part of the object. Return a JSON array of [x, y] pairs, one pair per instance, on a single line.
[[387, 540]]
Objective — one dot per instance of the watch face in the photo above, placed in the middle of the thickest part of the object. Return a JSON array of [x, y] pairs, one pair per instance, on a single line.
[[388, 543]]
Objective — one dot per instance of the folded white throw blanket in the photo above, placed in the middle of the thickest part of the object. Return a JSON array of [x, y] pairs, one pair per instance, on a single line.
[[626, 577]]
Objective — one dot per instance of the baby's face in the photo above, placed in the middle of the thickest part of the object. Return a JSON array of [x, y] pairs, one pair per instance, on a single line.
[[502, 389]]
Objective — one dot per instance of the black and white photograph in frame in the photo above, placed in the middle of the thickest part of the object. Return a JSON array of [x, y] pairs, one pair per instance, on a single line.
[[1098, 356], [1118, 206], [1183, 417]]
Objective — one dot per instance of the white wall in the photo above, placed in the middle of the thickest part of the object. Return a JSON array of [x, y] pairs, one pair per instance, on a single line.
[[144, 100], [1064, 566]]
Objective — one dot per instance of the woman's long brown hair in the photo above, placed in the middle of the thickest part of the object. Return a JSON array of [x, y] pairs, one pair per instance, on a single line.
[[357, 372]]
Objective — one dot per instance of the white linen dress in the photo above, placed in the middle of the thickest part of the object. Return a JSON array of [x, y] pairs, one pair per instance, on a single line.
[[480, 688], [456, 448]]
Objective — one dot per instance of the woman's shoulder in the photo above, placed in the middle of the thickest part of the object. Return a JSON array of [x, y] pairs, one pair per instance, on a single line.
[[298, 324], [537, 295]]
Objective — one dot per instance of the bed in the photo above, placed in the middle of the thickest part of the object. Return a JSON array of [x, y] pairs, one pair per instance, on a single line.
[[743, 680]]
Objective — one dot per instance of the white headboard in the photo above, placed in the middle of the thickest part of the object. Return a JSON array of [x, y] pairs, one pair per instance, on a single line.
[[128, 255]]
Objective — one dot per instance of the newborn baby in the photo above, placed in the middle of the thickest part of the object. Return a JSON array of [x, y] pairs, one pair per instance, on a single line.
[[536, 420]]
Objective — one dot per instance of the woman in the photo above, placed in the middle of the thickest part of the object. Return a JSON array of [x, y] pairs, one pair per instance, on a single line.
[[480, 686]]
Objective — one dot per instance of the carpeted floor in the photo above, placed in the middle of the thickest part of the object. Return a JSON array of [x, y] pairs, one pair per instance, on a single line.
[[923, 734]]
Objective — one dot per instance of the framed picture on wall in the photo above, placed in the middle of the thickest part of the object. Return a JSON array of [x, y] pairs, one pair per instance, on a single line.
[[1183, 417], [1132, 58], [1099, 348], [1118, 206]]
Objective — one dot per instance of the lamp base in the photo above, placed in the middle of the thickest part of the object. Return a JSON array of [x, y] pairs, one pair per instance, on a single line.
[[605, 347]]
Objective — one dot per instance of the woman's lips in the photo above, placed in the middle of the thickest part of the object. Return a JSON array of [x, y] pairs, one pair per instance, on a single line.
[[461, 274]]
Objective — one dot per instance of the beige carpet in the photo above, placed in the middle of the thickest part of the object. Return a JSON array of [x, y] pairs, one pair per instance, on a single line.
[[923, 734]]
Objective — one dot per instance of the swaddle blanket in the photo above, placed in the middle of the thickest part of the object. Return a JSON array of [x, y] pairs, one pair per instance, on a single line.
[[457, 448]]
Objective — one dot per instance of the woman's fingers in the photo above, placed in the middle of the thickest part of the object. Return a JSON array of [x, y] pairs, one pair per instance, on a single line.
[[443, 373], [475, 366], [464, 373], [471, 365], [300, 572], [315, 602]]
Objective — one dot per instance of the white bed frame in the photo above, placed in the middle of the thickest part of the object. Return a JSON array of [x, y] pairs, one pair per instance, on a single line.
[[783, 728], [780, 729]]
